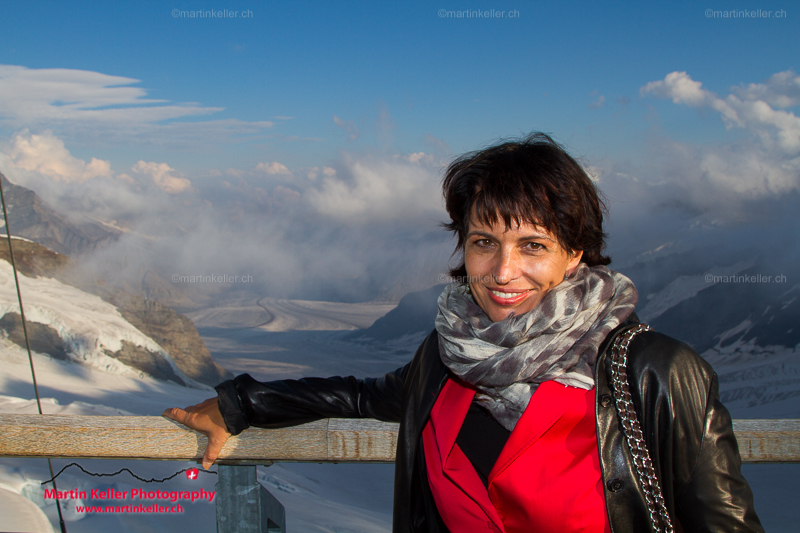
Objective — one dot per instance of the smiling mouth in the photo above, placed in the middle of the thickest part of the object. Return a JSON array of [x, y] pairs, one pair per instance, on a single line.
[[508, 298]]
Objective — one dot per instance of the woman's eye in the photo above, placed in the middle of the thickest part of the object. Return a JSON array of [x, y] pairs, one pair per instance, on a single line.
[[482, 243]]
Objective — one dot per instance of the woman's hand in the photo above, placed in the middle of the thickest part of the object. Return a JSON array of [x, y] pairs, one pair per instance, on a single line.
[[206, 418]]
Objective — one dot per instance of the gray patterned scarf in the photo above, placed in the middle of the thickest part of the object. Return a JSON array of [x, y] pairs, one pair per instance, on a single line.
[[558, 340]]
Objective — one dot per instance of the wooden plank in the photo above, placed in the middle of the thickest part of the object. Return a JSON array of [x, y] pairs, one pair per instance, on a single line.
[[332, 440], [151, 437], [768, 441], [359, 439]]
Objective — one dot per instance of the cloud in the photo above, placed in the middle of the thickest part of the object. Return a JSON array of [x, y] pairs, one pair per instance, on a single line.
[[101, 107], [768, 164], [79, 189], [285, 193], [599, 102], [420, 158], [313, 172], [378, 189], [31, 95], [349, 127], [235, 172], [749, 172], [165, 178], [47, 155], [680, 87], [775, 128], [367, 227], [781, 90], [273, 168]]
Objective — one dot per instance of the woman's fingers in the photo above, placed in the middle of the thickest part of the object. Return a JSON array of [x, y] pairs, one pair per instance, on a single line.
[[176, 413], [215, 444], [206, 418]]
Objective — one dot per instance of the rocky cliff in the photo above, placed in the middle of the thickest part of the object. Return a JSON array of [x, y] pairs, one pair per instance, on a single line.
[[31, 218]]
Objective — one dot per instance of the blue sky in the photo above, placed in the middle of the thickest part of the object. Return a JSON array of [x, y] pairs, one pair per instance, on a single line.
[[336, 103], [464, 81]]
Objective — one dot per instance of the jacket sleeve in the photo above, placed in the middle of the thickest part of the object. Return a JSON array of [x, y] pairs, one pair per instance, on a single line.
[[246, 402], [717, 498], [690, 436]]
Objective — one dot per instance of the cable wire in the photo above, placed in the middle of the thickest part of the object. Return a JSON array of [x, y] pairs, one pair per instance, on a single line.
[[28, 344]]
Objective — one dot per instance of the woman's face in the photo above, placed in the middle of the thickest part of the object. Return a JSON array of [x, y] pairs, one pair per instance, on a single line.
[[510, 270]]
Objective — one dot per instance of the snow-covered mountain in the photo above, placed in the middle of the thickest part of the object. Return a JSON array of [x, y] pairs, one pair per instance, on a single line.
[[110, 330], [743, 317], [70, 324]]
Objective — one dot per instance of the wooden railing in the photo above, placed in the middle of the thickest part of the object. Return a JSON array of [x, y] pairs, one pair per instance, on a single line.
[[330, 440], [154, 437]]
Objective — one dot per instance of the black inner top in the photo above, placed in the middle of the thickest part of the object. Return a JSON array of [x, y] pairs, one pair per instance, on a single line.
[[482, 438]]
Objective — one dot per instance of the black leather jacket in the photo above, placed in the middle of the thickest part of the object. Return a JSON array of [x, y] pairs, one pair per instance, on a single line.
[[688, 432]]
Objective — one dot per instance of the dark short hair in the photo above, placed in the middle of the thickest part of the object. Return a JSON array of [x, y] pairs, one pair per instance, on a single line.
[[530, 180]]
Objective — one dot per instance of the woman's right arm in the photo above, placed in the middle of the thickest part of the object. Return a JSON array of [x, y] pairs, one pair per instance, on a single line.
[[246, 402], [243, 402]]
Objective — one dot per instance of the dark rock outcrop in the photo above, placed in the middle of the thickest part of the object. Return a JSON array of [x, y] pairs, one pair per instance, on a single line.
[[174, 332], [43, 338], [33, 260], [146, 361]]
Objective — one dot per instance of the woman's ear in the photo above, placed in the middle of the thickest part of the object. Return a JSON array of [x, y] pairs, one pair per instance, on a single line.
[[574, 261]]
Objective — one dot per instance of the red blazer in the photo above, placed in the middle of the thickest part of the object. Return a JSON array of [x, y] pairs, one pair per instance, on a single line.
[[547, 478]]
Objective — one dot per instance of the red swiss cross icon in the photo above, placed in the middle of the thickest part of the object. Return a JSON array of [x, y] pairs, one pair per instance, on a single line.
[[191, 473]]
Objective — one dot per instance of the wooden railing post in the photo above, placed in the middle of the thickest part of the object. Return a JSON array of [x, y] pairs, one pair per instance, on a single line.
[[243, 505]]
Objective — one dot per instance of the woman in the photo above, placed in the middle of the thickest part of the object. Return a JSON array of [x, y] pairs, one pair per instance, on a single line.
[[520, 410]]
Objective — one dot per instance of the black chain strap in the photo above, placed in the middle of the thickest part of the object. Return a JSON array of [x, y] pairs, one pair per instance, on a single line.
[[659, 517]]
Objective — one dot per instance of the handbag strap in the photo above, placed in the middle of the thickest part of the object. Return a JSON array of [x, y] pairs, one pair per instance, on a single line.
[[645, 473]]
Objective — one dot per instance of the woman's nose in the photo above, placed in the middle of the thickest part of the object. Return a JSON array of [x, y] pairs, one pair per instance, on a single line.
[[506, 268]]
